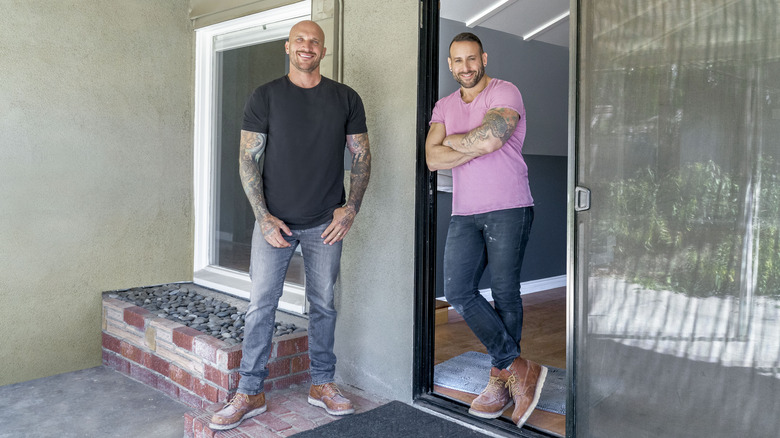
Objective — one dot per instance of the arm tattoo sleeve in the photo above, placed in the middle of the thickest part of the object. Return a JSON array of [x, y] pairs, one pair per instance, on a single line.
[[250, 165], [257, 152], [361, 169], [498, 124]]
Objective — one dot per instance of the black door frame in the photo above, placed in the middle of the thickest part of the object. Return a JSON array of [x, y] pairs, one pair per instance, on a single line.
[[425, 244]]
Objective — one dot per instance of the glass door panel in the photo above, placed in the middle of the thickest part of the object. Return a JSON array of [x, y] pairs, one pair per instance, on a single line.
[[677, 307]]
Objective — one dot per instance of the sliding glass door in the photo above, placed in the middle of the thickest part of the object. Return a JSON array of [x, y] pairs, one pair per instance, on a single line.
[[677, 254]]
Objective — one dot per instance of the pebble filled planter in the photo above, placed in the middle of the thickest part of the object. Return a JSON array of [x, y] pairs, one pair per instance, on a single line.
[[191, 307], [185, 340]]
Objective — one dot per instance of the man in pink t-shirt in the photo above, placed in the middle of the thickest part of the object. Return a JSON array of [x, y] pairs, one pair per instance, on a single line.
[[478, 132]]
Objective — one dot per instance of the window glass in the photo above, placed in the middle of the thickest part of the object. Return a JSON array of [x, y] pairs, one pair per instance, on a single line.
[[232, 59]]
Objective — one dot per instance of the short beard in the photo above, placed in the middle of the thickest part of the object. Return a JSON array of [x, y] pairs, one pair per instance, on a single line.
[[313, 67], [480, 73]]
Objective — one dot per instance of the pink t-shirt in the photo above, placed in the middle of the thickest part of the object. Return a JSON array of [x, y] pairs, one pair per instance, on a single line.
[[498, 180]]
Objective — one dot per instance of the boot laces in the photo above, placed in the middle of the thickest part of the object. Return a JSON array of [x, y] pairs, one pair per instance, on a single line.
[[237, 399], [494, 385], [515, 387], [330, 389], [511, 383]]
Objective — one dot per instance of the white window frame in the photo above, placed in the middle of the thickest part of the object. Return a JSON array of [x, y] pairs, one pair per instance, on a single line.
[[209, 41]]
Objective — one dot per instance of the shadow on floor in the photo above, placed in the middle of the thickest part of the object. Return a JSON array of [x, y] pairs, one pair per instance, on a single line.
[[96, 402]]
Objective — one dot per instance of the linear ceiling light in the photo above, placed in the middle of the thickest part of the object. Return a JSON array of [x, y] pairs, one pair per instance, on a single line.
[[487, 13], [534, 33]]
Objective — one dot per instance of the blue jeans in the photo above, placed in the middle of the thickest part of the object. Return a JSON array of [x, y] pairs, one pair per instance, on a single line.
[[268, 268], [496, 239]]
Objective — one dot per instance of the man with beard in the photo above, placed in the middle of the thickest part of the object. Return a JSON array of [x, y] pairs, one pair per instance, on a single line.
[[291, 165], [478, 132]]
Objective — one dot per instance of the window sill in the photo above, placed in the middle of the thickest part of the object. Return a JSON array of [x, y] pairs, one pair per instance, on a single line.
[[238, 283]]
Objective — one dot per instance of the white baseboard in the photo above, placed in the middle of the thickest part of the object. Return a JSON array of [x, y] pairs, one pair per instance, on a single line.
[[529, 287], [542, 284]]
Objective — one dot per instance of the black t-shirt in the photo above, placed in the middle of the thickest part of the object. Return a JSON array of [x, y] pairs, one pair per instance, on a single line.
[[303, 174]]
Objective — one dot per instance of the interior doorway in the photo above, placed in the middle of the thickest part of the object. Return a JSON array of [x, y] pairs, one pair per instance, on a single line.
[[673, 303], [538, 65]]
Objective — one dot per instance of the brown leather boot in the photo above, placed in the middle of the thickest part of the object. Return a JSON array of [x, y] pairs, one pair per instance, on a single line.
[[525, 380], [493, 399], [329, 397], [239, 408]]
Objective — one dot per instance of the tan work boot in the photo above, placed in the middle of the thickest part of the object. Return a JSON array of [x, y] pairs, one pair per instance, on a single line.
[[241, 407], [525, 380], [493, 399], [329, 397]]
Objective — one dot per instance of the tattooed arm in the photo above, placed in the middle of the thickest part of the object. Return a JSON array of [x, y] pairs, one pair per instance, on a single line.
[[496, 128], [358, 181], [438, 156], [250, 165]]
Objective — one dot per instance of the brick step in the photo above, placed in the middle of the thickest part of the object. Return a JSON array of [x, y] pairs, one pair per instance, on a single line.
[[288, 413], [188, 365]]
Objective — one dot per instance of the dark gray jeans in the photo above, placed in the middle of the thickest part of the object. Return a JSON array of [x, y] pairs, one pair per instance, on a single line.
[[496, 239]]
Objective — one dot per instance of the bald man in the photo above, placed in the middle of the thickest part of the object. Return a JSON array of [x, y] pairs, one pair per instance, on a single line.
[[291, 164]]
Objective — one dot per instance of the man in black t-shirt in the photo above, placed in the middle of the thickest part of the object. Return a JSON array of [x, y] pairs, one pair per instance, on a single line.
[[291, 166]]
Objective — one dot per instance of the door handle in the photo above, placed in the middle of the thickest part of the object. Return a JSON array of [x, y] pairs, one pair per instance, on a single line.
[[581, 199]]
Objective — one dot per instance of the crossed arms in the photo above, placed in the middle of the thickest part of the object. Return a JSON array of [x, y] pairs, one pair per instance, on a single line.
[[444, 151], [250, 158]]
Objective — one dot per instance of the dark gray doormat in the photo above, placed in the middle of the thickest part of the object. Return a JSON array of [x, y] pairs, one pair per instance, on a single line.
[[393, 420], [469, 372]]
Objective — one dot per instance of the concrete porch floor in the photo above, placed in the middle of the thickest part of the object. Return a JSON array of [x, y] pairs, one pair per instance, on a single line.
[[100, 402], [96, 402]]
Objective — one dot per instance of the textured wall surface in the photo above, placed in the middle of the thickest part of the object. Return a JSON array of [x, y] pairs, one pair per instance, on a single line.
[[95, 169], [208, 12], [374, 338]]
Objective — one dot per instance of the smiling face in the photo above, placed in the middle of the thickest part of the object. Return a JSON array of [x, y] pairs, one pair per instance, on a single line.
[[467, 63], [306, 46]]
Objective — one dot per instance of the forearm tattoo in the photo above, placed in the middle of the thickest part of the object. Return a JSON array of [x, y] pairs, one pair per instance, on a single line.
[[498, 123], [250, 170], [361, 169]]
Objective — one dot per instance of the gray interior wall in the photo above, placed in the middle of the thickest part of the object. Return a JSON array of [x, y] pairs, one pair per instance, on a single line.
[[374, 334], [540, 71], [95, 169], [545, 254]]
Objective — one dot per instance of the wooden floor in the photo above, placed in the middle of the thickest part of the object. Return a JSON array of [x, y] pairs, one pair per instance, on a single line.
[[544, 342]]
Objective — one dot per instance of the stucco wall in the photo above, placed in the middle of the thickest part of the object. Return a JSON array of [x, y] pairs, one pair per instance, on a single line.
[[374, 338], [95, 169]]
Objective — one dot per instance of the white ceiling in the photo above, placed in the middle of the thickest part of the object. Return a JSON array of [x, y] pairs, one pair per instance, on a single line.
[[517, 17]]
